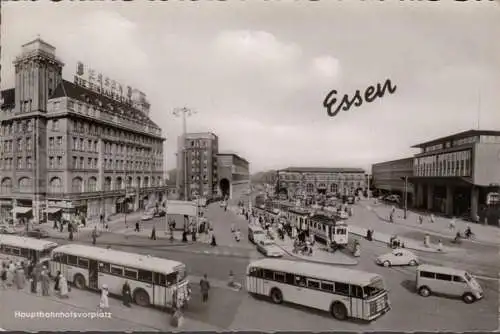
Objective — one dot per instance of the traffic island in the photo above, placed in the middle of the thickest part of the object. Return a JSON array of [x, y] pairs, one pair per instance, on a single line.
[[320, 254]]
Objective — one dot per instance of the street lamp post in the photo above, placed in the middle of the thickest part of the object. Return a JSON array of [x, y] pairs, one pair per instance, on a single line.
[[405, 196], [184, 113]]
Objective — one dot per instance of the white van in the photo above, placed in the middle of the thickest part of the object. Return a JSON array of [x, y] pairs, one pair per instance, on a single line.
[[255, 233], [447, 281]]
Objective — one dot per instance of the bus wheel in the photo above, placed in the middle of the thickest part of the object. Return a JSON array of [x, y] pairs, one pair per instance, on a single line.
[[141, 297], [424, 291], [338, 311], [276, 296], [468, 298], [79, 281]]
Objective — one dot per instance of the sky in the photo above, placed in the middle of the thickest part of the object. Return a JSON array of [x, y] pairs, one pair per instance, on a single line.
[[256, 72]]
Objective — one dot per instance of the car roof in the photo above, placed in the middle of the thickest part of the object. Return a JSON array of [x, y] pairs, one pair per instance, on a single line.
[[440, 269]]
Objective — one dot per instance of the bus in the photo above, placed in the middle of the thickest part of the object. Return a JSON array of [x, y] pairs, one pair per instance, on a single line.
[[345, 293], [153, 281], [16, 248]]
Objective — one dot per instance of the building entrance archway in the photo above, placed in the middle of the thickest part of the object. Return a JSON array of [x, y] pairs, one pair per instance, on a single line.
[[225, 187]]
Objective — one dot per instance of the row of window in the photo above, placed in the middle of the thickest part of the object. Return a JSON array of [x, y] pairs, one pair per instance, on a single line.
[[338, 288], [21, 163], [448, 164], [129, 273], [14, 127], [442, 277], [23, 252], [95, 130], [22, 145], [322, 177]]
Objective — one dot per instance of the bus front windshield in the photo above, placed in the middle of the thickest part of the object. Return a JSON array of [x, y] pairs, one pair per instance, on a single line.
[[374, 288]]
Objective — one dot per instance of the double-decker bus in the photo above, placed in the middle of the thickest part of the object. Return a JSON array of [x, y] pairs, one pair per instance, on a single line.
[[152, 280], [345, 293], [16, 248]]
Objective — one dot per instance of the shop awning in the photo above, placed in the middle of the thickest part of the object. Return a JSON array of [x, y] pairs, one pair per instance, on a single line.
[[21, 210], [53, 210]]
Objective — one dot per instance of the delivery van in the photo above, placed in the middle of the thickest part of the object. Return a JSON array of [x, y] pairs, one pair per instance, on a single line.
[[447, 281]]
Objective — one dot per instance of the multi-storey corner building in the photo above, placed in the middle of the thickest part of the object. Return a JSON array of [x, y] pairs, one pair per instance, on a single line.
[[454, 174], [389, 177], [317, 180], [197, 173], [69, 150], [234, 175]]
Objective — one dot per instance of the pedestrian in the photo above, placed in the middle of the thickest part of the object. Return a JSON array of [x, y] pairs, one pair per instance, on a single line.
[[34, 280], [45, 282], [61, 227], [153, 233], [71, 235], [237, 235], [63, 287], [20, 277], [193, 234], [204, 287], [432, 219], [440, 245], [126, 294], [94, 235], [57, 279], [137, 227], [213, 242], [10, 274], [104, 302], [3, 274], [452, 223], [55, 224], [420, 219]]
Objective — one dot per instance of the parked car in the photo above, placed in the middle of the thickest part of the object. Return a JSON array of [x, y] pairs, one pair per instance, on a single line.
[[398, 257], [269, 248], [147, 215], [37, 233], [6, 229]]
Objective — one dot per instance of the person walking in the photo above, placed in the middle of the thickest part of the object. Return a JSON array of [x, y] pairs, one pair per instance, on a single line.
[[20, 277], [63, 287], [204, 287], [126, 294], [104, 301], [137, 229], [153, 233], [452, 224], [57, 279], [45, 282], [3, 276]]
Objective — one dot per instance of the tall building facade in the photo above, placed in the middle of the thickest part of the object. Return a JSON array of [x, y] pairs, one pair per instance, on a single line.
[[197, 173], [295, 181], [68, 150], [234, 176]]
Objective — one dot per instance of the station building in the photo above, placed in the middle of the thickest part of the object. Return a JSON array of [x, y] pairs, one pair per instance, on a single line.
[[454, 174], [66, 149], [319, 180]]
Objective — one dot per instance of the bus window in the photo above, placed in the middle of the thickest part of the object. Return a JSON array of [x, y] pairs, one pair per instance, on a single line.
[[171, 279], [72, 260], [313, 284], [289, 279], [104, 267], [63, 258], [83, 262], [145, 276], [16, 251], [130, 273], [255, 272], [279, 277], [117, 270], [25, 253], [342, 288], [327, 286], [356, 291], [159, 279], [268, 274], [300, 281]]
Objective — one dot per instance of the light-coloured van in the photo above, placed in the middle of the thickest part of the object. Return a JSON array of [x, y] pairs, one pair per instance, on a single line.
[[255, 233], [449, 282]]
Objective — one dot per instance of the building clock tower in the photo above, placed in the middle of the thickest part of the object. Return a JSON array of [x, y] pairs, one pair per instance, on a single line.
[[38, 73]]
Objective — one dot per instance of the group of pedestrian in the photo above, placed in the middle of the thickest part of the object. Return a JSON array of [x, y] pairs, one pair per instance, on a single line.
[[12, 274]]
